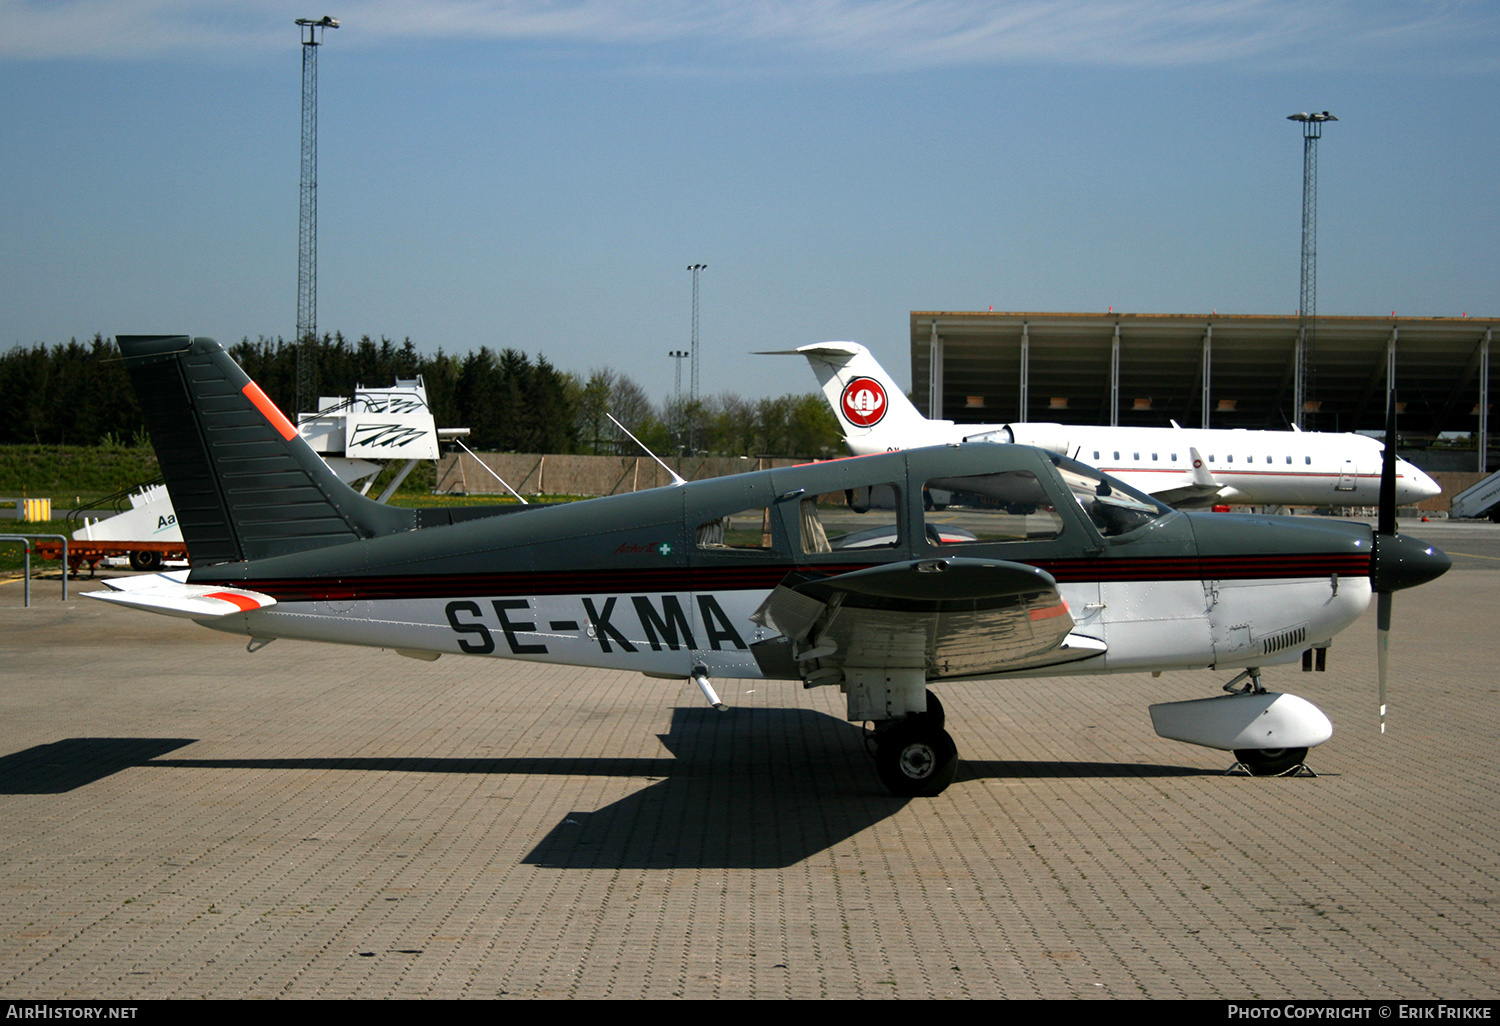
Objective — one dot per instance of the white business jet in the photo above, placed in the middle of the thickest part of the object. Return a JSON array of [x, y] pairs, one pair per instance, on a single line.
[[1179, 466]]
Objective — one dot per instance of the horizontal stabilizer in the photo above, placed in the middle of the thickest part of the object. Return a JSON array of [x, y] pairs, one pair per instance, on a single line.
[[168, 595]]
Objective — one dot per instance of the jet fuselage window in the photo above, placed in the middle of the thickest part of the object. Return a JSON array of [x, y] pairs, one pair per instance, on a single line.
[[1010, 506]]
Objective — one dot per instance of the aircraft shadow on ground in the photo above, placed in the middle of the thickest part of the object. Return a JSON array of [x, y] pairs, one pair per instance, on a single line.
[[743, 788], [760, 788], [76, 761]]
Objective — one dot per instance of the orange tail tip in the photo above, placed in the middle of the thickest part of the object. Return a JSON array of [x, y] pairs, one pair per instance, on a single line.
[[269, 411]]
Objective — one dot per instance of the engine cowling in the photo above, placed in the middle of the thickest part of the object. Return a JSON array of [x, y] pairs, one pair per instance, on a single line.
[[1052, 437]]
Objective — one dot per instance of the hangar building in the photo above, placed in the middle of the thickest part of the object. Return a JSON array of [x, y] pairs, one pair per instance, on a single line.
[[1221, 371]]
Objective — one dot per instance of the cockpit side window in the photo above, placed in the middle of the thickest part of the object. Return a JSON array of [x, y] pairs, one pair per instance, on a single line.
[[1114, 508], [854, 519], [1008, 506]]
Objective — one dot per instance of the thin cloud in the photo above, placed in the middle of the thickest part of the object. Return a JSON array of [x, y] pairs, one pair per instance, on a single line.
[[865, 35]]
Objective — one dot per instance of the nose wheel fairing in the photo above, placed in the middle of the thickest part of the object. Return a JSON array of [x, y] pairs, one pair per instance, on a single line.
[[1245, 721]]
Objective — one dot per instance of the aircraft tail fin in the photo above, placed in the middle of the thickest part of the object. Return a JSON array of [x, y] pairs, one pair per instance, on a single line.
[[871, 408], [244, 484]]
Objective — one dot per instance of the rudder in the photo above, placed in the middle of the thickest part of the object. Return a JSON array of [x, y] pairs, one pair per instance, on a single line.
[[871, 408], [243, 483]]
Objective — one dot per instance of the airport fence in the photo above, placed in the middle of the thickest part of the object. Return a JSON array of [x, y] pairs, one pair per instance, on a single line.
[[533, 474]]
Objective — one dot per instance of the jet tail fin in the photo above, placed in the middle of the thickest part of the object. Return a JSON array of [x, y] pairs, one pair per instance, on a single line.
[[244, 484], [871, 408]]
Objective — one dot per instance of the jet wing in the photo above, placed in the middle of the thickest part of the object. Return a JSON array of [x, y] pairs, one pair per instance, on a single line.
[[170, 595], [1200, 489], [950, 617]]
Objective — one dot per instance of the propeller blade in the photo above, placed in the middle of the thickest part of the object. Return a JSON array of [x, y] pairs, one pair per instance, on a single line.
[[1385, 527], [1386, 524], [1384, 600]]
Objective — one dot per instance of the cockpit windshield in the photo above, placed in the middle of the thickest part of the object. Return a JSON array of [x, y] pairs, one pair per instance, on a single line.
[[1116, 509]]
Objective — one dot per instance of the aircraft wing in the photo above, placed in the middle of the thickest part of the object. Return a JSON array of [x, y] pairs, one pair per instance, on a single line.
[[1200, 489], [951, 617]]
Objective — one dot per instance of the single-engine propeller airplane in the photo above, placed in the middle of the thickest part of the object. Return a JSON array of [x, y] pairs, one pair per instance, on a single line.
[[1183, 467], [878, 575]]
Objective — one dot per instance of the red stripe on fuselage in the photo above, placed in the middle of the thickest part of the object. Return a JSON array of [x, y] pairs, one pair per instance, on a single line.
[[767, 576]]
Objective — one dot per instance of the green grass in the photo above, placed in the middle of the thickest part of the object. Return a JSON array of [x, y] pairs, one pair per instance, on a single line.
[[12, 556], [68, 474]]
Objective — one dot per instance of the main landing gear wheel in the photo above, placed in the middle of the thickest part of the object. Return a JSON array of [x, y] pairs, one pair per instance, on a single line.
[[936, 717], [915, 759], [1270, 762]]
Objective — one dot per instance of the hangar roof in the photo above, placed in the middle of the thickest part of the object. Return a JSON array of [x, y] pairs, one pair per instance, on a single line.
[[1162, 359]]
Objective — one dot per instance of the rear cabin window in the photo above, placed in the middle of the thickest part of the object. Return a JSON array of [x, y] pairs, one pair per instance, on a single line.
[[1010, 506], [745, 529]]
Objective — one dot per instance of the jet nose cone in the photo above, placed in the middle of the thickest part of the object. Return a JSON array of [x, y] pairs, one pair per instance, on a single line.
[[1415, 485], [1401, 561]]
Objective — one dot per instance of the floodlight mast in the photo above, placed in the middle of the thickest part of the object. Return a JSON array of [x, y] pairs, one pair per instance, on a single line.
[[1307, 307], [307, 222], [677, 355], [693, 394]]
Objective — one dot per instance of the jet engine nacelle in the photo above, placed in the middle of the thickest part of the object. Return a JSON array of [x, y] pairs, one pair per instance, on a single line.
[[1052, 437]]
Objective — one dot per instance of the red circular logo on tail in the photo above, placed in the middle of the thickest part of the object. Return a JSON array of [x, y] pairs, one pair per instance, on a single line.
[[864, 402]]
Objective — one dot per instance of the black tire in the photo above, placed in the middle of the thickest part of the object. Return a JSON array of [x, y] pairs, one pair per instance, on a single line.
[[937, 717], [1270, 762], [915, 759], [146, 560]]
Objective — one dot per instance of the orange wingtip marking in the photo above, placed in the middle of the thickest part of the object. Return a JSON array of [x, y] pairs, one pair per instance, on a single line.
[[1061, 609], [268, 409], [243, 601]]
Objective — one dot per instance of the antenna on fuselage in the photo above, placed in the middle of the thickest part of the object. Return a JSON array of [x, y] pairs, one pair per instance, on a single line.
[[489, 469], [676, 478]]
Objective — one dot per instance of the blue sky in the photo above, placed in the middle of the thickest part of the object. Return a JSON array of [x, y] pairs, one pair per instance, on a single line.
[[540, 175]]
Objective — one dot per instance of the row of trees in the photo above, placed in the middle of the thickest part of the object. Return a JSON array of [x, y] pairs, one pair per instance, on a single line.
[[80, 394]]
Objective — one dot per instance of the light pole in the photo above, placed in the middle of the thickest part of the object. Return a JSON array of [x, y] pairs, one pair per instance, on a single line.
[[677, 355], [1307, 309], [307, 222], [693, 395]]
